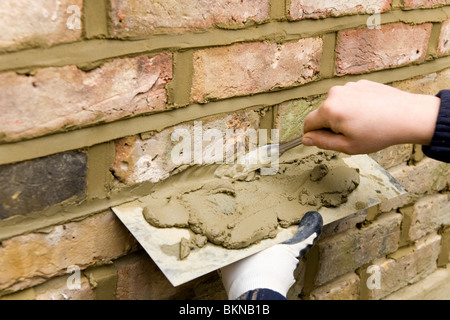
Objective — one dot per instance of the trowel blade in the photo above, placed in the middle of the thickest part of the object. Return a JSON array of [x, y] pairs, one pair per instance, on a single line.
[[376, 185]]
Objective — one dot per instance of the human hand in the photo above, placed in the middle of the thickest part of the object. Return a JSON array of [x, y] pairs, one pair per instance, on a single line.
[[364, 117]]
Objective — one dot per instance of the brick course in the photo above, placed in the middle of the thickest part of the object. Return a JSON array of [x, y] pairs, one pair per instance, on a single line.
[[120, 88], [137, 18]]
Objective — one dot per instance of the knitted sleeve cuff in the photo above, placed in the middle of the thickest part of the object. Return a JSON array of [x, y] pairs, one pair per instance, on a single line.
[[439, 148]]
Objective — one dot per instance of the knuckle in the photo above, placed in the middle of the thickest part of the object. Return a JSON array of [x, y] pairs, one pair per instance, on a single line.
[[335, 90], [331, 109], [350, 84]]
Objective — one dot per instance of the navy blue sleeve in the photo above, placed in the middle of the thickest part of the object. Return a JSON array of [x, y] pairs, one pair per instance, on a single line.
[[439, 148]]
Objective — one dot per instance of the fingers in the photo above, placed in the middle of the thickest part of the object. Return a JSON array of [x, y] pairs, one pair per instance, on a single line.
[[329, 114], [327, 140], [330, 127], [316, 120], [313, 121]]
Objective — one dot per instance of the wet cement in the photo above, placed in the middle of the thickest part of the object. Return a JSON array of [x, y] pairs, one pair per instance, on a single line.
[[237, 212]]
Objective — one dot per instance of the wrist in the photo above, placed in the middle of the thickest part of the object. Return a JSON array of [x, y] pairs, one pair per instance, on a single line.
[[423, 118]]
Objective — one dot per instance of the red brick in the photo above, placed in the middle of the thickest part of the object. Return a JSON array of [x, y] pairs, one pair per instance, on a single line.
[[139, 160], [425, 3], [444, 41], [35, 23], [302, 9], [394, 45], [134, 18], [67, 97], [249, 68]]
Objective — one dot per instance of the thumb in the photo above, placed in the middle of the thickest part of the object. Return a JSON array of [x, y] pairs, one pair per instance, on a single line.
[[325, 139]]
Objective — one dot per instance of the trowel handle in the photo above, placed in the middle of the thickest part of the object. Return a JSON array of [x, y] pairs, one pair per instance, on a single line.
[[285, 146]]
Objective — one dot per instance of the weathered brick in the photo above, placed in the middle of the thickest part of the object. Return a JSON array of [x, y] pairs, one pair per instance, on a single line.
[[68, 98], [434, 287], [342, 288], [444, 40], [57, 289], [248, 68], [139, 160], [426, 215], [393, 45], [425, 3], [139, 278], [135, 18], [407, 266], [426, 177], [429, 84], [37, 184], [291, 117], [30, 259], [345, 252], [344, 224], [393, 156], [302, 9], [39, 23]]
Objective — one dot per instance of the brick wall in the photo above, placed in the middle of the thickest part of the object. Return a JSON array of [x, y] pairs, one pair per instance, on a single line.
[[90, 92]]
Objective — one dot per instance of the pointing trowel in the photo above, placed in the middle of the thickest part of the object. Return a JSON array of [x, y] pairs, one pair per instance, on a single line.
[[376, 185]]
